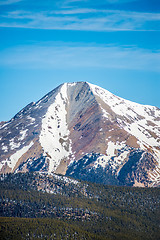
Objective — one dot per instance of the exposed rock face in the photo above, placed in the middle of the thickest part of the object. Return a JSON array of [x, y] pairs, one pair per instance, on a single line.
[[84, 131]]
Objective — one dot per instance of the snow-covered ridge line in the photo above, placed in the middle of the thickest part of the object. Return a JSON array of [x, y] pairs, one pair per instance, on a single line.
[[99, 90], [124, 107], [138, 116]]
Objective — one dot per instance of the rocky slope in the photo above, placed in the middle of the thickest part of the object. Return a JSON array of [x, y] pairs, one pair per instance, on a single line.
[[84, 131]]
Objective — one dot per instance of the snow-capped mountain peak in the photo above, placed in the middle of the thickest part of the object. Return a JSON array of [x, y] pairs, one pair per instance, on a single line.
[[83, 130]]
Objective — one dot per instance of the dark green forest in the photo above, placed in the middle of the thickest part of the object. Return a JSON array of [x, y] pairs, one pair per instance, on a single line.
[[75, 210]]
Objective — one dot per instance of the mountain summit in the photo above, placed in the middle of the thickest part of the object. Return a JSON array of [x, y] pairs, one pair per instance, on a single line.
[[84, 131]]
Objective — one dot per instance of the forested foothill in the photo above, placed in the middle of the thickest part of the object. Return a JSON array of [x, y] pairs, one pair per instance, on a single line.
[[42, 206]]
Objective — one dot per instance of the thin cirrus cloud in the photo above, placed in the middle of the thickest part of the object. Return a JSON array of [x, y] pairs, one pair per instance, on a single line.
[[8, 2], [83, 19], [107, 1], [58, 56]]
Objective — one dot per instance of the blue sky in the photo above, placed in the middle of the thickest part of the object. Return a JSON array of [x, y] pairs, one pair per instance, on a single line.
[[112, 43]]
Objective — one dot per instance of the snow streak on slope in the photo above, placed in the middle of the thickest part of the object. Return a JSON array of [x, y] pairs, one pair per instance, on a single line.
[[54, 134], [16, 156]]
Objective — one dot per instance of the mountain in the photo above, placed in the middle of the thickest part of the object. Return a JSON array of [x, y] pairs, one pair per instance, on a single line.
[[84, 131]]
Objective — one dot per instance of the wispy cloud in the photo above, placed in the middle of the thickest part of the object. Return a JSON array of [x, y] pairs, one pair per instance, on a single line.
[[59, 56], [119, 1], [83, 19], [104, 1], [8, 2]]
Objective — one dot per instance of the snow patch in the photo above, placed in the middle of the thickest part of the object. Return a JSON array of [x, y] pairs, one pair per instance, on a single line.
[[12, 160], [111, 149], [116, 154], [14, 145], [72, 84], [105, 113], [15, 157], [4, 148], [102, 160], [23, 134], [32, 120], [4, 125]]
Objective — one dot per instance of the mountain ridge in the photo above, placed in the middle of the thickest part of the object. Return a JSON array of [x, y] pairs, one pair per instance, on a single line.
[[76, 120]]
